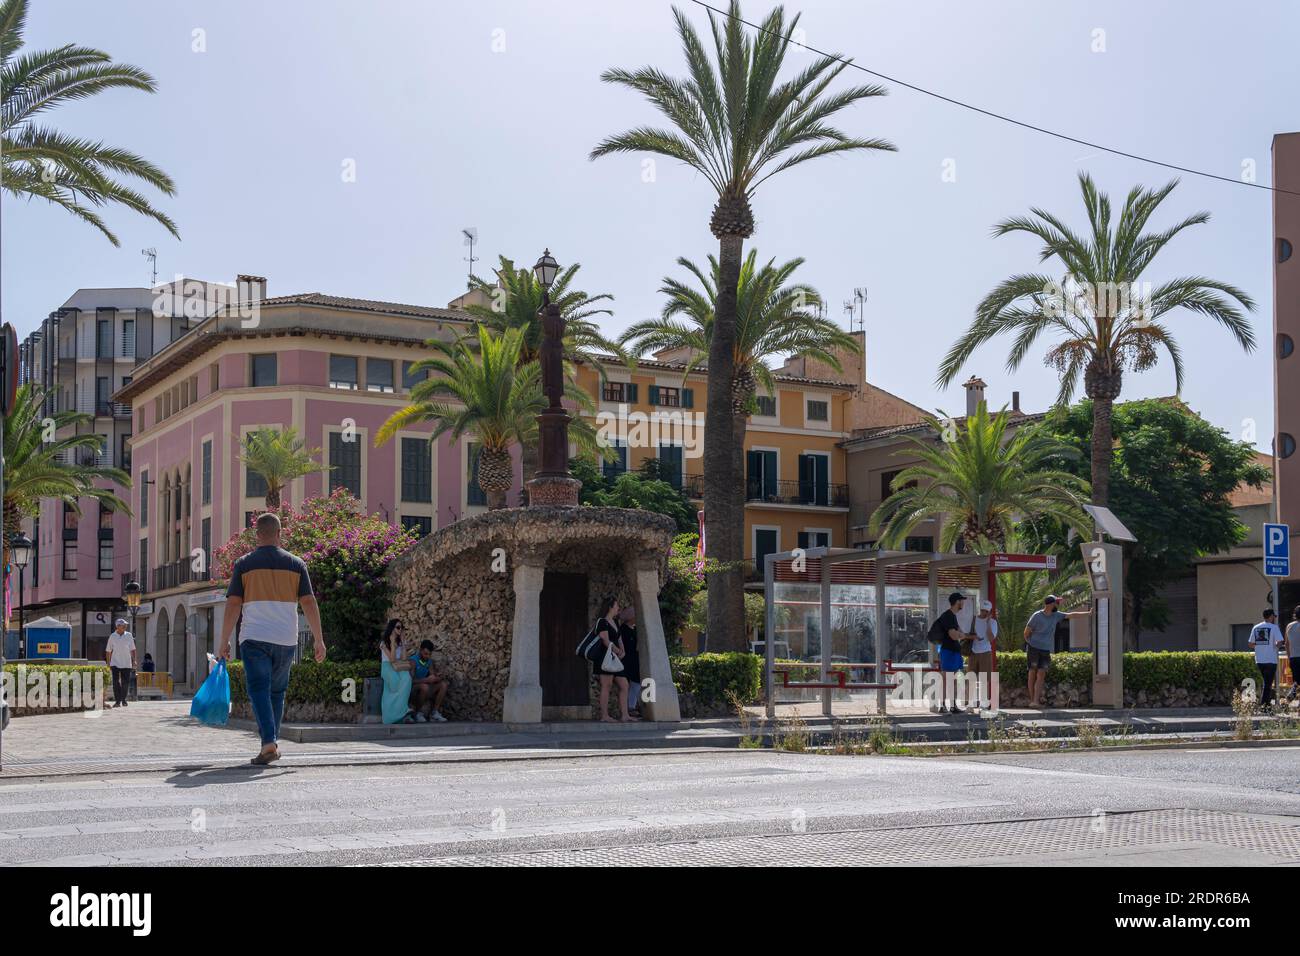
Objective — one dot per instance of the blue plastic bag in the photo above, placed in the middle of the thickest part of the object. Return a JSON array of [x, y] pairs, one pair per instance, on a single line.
[[211, 705]]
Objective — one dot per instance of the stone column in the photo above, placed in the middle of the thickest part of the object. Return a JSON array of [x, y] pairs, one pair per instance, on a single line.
[[523, 698], [653, 649]]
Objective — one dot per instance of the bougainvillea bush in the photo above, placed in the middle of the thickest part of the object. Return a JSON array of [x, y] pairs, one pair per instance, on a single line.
[[347, 552]]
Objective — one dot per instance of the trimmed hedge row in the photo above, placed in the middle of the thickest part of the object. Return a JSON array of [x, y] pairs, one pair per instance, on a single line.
[[1209, 673], [53, 675], [312, 683], [709, 677]]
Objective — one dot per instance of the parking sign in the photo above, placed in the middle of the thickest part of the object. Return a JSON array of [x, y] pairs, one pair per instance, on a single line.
[[1277, 551]]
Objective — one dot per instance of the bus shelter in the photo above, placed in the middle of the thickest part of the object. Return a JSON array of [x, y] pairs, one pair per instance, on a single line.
[[860, 614]]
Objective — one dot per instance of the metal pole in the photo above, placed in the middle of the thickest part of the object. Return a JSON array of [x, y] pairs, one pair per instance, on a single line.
[[1277, 517], [882, 645], [825, 626], [769, 625]]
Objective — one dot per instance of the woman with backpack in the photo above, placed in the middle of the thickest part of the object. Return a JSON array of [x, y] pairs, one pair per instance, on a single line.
[[608, 660]]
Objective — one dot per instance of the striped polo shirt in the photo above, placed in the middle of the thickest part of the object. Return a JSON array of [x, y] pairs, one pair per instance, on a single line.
[[271, 581]]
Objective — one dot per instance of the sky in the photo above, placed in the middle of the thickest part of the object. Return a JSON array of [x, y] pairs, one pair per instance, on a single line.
[[342, 147]]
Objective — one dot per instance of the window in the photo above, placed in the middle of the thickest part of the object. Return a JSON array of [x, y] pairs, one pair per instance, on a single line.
[[205, 542], [379, 375], [144, 500], [814, 479], [1283, 250], [474, 495], [1286, 445], [919, 543], [128, 338], [765, 543], [254, 484], [670, 464], [1285, 345], [105, 520], [343, 371], [421, 524], [887, 479], [248, 518], [409, 378], [617, 466], [105, 570], [69, 560], [814, 539], [619, 392], [766, 406], [345, 459], [214, 377], [103, 388], [206, 481], [672, 397], [818, 411], [104, 338], [124, 452], [417, 470], [760, 474], [265, 371], [142, 572]]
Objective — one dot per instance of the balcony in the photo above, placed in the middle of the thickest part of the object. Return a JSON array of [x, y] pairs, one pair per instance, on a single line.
[[177, 573], [807, 493], [112, 410]]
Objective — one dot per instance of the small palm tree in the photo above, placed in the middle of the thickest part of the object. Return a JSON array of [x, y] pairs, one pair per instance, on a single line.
[[279, 457], [37, 161], [481, 389], [1021, 593], [736, 125], [63, 469], [1105, 315], [981, 484]]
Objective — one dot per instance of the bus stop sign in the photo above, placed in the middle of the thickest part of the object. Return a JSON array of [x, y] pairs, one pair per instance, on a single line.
[[1277, 551]]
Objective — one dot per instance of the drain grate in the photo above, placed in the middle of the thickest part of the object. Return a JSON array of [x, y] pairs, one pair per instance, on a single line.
[[928, 845]]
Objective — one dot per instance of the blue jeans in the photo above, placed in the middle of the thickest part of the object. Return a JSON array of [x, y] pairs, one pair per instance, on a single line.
[[266, 673]]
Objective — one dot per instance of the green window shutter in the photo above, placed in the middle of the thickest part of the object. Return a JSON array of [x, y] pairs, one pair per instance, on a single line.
[[631, 393], [803, 540], [688, 398], [654, 394]]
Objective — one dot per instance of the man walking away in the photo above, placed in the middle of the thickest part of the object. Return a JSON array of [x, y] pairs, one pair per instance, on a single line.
[[947, 633], [120, 657], [981, 652], [1293, 651], [1267, 640], [266, 587]]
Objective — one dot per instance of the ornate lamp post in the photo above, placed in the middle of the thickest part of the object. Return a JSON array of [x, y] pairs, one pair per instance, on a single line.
[[20, 552], [552, 486], [131, 594]]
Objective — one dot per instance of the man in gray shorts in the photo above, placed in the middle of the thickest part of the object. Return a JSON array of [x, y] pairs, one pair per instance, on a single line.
[[1040, 641]]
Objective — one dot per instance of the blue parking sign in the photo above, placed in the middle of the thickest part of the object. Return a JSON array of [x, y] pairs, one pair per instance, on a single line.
[[1277, 551]]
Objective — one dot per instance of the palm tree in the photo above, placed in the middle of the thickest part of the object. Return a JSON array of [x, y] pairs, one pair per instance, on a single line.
[[1106, 315], [279, 457], [78, 174], [982, 484], [482, 389], [62, 469], [773, 319], [517, 304], [736, 125]]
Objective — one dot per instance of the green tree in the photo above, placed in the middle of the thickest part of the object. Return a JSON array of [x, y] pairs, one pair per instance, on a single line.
[[1105, 314], [642, 490], [279, 456], [1171, 475], [63, 469], [733, 122], [982, 483], [79, 175]]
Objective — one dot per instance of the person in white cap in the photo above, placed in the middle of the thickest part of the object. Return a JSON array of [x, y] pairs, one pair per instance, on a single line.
[[120, 657], [981, 652]]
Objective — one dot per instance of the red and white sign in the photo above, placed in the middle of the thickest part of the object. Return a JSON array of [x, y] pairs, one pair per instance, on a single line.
[[1022, 562]]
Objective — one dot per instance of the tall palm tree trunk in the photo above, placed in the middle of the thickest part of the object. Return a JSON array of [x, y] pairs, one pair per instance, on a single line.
[[1102, 383], [724, 499]]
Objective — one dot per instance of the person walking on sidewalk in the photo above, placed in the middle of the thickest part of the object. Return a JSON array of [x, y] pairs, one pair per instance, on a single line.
[[120, 656], [266, 587], [1267, 640]]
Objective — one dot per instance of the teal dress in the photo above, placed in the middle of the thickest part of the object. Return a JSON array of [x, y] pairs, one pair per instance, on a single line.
[[396, 703]]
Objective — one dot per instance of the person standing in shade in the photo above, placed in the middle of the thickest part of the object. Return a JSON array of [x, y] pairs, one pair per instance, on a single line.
[[120, 657], [631, 661], [266, 587], [1293, 651], [1040, 641], [947, 633], [1267, 640], [981, 652]]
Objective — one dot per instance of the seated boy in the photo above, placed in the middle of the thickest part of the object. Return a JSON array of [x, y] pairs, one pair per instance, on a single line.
[[428, 688]]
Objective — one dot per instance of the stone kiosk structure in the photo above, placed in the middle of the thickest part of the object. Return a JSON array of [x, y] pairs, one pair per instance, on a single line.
[[506, 596]]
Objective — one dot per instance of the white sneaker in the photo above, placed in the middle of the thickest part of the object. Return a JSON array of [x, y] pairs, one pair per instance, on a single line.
[[421, 719], [438, 718]]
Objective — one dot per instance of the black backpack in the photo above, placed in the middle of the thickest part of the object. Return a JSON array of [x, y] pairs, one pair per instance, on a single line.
[[938, 633]]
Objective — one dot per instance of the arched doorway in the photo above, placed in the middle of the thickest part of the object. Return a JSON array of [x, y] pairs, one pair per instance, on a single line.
[[162, 643], [180, 647]]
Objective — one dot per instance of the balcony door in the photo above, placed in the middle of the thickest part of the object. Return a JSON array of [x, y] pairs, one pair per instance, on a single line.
[[814, 479], [760, 470]]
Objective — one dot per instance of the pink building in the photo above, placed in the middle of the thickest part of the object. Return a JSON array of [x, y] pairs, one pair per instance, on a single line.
[[333, 368]]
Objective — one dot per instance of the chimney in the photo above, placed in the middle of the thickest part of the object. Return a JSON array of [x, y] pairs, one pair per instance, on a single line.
[[974, 394], [250, 289], [1015, 401]]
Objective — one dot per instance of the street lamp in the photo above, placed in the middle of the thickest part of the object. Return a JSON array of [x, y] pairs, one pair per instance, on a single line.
[[132, 595], [20, 552], [545, 269]]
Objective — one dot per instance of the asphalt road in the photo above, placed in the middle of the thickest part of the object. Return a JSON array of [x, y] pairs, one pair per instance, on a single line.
[[1204, 807]]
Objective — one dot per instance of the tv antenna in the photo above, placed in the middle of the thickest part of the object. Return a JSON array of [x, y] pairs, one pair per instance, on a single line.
[[471, 237], [152, 255], [858, 305]]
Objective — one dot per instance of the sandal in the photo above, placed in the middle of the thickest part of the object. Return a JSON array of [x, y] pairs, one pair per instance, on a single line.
[[264, 758]]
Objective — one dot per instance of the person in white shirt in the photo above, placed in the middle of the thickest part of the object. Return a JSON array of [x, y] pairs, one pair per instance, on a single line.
[[120, 657], [1267, 640], [1293, 651], [985, 629]]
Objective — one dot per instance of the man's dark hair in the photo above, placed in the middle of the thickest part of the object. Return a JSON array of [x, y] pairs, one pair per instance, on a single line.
[[1296, 613], [1268, 612], [426, 646]]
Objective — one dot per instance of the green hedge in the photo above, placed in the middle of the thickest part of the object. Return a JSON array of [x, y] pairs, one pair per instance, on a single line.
[[53, 673], [1211, 673], [708, 677], [312, 683]]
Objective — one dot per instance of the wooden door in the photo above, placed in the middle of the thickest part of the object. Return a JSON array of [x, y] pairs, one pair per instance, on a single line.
[[564, 622]]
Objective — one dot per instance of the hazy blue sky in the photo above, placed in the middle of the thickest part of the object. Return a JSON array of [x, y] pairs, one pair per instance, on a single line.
[[461, 113]]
